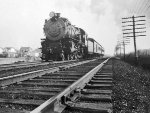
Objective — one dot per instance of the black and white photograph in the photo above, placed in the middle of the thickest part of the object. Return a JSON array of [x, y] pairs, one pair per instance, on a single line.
[[75, 56]]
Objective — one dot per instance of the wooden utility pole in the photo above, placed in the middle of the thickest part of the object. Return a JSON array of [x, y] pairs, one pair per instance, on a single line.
[[134, 39], [119, 47], [131, 32], [124, 49], [124, 43]]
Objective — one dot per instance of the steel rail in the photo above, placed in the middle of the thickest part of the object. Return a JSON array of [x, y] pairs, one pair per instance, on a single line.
[[29, 75], [57, 103]]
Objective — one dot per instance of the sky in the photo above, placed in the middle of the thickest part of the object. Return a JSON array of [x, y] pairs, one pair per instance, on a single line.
[[21, 22]]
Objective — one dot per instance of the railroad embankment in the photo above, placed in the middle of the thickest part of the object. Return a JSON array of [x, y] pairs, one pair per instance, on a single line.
[[131, 90]]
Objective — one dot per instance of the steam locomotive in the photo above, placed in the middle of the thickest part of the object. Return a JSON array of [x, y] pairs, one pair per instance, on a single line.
[[64, 41]]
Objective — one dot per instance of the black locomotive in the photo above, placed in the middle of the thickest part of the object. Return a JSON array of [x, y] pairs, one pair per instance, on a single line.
[[64, 41]]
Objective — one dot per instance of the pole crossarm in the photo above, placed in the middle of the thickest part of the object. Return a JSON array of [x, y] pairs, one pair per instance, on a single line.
[[134, 17], [141, 28], [126, 21], [139, 16], [127, 25], [128, 33], [126, 29], [141, 32], [140, 20], [127, 36], [139, 24], [127, 18], [140, 35]]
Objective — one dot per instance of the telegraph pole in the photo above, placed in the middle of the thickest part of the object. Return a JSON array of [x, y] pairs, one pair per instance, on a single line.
[[124, 49], [119, 46], [124, 43], [134, 39], [132, 32]]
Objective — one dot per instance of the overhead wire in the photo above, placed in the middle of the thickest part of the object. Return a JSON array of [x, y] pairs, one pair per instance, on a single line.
[[141, 6], [147, 13], [136, 6], [145, 7], [148, 8], [129, 10]]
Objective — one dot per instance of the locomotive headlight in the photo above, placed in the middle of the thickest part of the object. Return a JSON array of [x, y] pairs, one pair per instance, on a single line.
[[52, 14]]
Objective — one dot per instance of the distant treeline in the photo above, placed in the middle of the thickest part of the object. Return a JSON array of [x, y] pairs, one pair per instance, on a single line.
[[143, 58]]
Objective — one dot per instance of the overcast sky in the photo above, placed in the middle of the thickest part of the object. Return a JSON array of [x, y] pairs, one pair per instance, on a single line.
[[21, 21]]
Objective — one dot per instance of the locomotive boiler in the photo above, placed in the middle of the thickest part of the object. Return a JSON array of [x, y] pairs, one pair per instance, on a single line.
[[63, 40]]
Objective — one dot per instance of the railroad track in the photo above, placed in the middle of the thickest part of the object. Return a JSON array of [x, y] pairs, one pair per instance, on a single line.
[[95, 96], [90, 94], [24, 65], [17, 69], [24, 92], [17, 66]]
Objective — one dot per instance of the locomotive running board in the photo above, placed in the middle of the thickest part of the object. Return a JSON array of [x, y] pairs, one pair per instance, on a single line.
[[58, 103]]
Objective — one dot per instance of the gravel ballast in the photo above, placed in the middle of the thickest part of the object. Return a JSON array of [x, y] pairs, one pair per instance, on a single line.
[[131, 88]]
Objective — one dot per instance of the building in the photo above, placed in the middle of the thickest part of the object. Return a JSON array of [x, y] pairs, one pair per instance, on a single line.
[[24, 51], [10, 52], [34, 55]]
